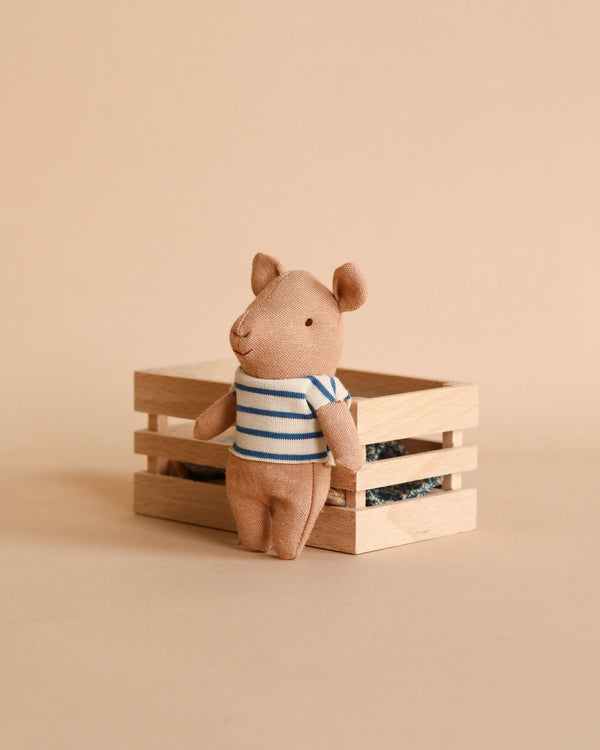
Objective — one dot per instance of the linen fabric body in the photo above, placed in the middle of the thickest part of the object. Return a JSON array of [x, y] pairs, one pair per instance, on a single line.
[[277, 419], [275, 504]]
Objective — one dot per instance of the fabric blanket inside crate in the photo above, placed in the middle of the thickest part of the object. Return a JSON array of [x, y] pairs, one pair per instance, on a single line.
[[375, 452]]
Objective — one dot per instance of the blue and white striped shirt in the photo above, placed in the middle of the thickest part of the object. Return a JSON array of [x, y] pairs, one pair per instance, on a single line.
[[277, 419]]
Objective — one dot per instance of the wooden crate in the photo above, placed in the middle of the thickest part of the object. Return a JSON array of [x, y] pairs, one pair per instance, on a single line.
[[384, 407]]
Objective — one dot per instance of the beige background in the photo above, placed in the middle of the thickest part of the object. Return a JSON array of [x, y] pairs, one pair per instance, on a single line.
[[148, 149]]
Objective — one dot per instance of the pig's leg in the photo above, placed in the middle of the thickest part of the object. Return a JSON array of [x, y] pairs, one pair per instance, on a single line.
[[250, 503], [299, 497]]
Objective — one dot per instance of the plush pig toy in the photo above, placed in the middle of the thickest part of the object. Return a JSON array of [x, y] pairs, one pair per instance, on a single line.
[[291, 413]]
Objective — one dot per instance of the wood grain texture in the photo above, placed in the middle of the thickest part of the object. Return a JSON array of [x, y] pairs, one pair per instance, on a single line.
[[418, 413], [343, 479], [335, 530], [453, 480], [365, 384], [339, 529], [217, 371], [158, 422], [355, 498], [204, 452], [200, 503], [452, 439], [388, 471], [206, 504], [438, 514], [157, 463], [175, 396], [411, 468]]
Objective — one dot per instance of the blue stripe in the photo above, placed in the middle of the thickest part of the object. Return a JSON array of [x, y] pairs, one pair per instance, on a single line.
[[271, 413], [279, 435], [279, 456], [321, 387], [269, 392], [333, 386]]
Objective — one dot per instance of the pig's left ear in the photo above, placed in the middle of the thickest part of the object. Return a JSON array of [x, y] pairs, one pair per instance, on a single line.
[[264, 270], [349, 287]]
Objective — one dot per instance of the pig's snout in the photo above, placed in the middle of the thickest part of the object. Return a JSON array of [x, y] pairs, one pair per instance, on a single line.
[[238, 336]]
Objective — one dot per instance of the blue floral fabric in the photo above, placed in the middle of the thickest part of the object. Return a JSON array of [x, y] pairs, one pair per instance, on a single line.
[[395, 492]]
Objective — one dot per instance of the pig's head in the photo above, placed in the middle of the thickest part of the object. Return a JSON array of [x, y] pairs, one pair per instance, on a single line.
[[294, 327]]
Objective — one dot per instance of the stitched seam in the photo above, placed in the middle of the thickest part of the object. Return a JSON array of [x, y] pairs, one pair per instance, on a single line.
[[257, 305], [310, 510]]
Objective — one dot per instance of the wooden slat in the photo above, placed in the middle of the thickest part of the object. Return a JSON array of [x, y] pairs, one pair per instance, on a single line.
[[216, 371], [419, 413], [158, 422], [412, 445], [185, 429], [417, 466], [343, 479], [355, 499], [335, 529], [437, 514], [366, 384], [453, 480], [206, 504], [157, 464], [174, 396], [200, 503], [346, 480], [176, 445], [387, 471], [342, 529], [359, 382], [205, 452], [452, 439]]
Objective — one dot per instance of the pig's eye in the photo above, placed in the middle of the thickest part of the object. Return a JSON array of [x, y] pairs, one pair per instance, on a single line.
[[309, 322]]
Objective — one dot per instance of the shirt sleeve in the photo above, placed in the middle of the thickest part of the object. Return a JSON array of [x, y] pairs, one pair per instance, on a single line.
[[325, 390]]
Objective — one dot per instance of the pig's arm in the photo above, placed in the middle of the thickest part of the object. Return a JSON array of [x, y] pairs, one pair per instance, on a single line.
[[217, 418], [340, 433]]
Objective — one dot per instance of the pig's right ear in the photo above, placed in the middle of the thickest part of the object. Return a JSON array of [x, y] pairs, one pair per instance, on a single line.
[[349, 287], [264, 270]]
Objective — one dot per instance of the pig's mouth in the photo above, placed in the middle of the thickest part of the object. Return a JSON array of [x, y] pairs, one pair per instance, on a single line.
[[243, 354]]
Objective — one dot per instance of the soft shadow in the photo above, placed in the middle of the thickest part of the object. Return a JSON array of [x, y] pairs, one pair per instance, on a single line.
[[86, 507], [115, 489]]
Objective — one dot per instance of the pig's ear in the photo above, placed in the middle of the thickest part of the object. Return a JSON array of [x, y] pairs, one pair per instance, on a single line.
[[264, 270], [349, 287]]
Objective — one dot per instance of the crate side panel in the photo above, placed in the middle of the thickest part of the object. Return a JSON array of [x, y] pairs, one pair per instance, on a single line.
[[204, 452], [372, 384], [417, 466], [206, 504], [173, 396], [418, 413], [344, 479], [335, 530], [438, 514], [199, 503], [218, 371], [362, 382]]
